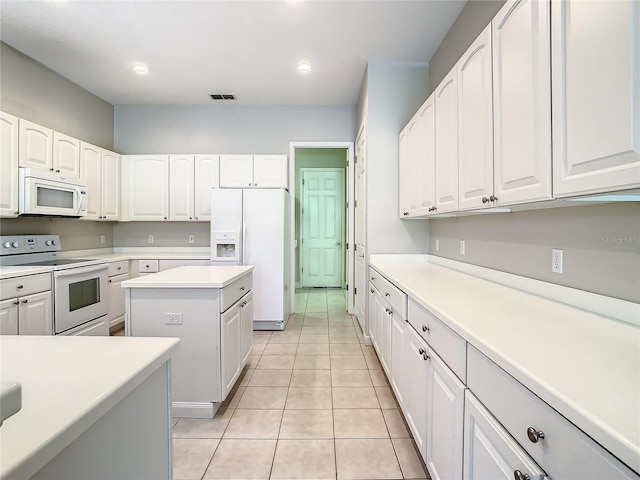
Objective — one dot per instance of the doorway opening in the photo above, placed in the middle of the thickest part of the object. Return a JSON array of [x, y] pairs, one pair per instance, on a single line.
[[321, 176]]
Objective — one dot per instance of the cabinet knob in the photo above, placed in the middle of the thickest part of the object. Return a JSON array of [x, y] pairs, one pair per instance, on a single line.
[[426, 357], [165, 218], [387, 294], [485, 199], [119, 268], [16, 302], [196, 218], [493, 198], [372, 291], [249, 184], [242, 289], [534, 435], [109, 280], [242, 305], [406, 214], [422, 351], [388, 310], [255, 184], [190, 218], [51, 169], [20, 287], [25, 300], [58, 170], [425, 328], [518, 475]]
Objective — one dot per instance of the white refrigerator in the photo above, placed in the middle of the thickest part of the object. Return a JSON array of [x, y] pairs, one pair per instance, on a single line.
[[251, 227]]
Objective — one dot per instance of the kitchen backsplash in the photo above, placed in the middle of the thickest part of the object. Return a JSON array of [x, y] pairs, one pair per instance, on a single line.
[[74, 234], [165, 234]]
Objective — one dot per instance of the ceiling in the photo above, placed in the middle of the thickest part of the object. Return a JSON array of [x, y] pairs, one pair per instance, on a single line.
[[248, 48]]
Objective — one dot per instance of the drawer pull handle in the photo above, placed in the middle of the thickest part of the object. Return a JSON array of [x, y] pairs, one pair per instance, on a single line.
[[422, 351], [242, 305], [518, 475], [389, 311], [534, 435], [119, 268], [25, 300], [387, 294], [426, 356], [425, 328], [20, 287], [372, 291], [16, 302]]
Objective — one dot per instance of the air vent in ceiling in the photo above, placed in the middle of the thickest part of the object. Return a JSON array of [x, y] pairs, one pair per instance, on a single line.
[[223, 96]]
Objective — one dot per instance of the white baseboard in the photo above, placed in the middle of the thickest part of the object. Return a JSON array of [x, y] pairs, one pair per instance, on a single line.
[[194, 409]]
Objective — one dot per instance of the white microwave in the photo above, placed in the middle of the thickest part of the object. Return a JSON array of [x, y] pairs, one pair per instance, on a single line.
[[50, 194]]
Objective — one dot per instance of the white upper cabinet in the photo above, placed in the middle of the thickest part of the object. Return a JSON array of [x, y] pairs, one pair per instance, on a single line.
[[36, 146], [253, 171], [475, 124], [404, 173], [522, 102], [66, 154], [100, 168], [8, 165], [110, 185], [206, 170], [596, 96], [191, 178], [446, 100], [145, 187]]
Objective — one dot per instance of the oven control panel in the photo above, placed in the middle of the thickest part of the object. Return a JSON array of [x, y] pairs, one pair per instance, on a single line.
[[17, 244]]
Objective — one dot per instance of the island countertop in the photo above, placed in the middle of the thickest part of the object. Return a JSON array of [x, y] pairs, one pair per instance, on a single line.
[[68, 383], [191, 277]]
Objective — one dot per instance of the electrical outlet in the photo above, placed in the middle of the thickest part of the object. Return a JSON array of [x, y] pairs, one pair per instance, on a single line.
[[462, 247], [103, 239], [192, 238], [437, 244], [174, 318], [150, 238], [556, 260]]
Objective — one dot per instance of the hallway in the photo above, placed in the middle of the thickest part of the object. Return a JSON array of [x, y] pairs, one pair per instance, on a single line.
[[313, 404]]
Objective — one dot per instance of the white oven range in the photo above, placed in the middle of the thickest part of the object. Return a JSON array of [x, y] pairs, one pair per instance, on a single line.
[[79, 286]]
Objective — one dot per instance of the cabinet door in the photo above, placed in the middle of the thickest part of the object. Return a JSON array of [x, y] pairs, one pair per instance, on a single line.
[[147, 187], [236, 171], [386, 320], [9, 165], [398, 333], [596, 105], [520, 34], [475, 124], [66, 154], [416, 370], [373, 314], [181, 178], [116, 299], [404, 172], [270, 171], [230, 348], [446, 99], [91, 172], [445, 417], [246, 328], [34, 314], [36, 146], [489, 451], [426, 168], [110, 185], [9, 317], [206, 178]]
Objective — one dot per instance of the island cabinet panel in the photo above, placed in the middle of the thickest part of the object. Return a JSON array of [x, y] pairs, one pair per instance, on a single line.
[[230, 345]]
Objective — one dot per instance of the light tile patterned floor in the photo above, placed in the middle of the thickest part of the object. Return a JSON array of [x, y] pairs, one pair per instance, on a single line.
[[313, 404]]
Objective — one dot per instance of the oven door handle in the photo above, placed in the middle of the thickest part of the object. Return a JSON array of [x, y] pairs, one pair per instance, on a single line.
[[80, 271]]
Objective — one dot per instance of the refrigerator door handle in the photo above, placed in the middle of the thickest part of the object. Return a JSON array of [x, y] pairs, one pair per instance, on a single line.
[[244, 243]]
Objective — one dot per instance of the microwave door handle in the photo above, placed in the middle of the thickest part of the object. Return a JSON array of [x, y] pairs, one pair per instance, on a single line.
[[80, 271], [80, 200]]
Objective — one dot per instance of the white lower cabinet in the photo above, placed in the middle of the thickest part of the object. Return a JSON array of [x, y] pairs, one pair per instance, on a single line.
[[26, 305], [398, 332], [236, 339], [374, 317], [445, 417], [246, 327], [116, 300], [489, 451]]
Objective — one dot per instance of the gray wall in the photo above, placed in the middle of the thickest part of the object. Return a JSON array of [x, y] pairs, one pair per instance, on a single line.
[[32, 91], [394, 93], [74, 234], [166, 234], [600, 242], [227, 129]]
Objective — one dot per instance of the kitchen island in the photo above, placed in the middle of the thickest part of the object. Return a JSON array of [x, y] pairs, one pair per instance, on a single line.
[[92, 407], [210, 309]]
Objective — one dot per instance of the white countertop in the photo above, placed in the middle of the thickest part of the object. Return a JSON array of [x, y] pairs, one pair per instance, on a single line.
[[68, 383], [191, 277], [10, 272], [584, 365]]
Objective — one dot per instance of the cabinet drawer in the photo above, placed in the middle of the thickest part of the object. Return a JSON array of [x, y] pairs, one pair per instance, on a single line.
[[232, 293], [451, 347], [147, 266], [118, 268], [565, 451], [26, 285], [396, 298]]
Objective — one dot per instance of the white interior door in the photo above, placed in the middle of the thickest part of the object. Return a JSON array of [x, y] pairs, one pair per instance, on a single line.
[[322, 236]]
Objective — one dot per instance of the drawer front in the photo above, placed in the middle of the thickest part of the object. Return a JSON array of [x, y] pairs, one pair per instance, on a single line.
[[232, 293], [450, 346], [118, 268], [565, 451], [26, 285], [395, 297], [147, 266]]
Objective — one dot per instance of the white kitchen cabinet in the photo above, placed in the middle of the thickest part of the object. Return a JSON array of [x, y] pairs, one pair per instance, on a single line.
[[35, 315], [100, 168], [253, 171], [405, 183], [66, 154], [191, 178], [475, 124], [445, 419], [596, 105], [398, 342], [415, 373], [374, 309], [145, 187], [489, 451], [9, 316], [522, 83], [26, 305], [9, 165], [446, 122], [246, 327], [116, 300], [230, 348], [36, 146]]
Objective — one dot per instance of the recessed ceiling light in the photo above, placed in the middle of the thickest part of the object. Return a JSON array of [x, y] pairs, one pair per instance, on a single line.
[[140, 68], [304, 67]]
